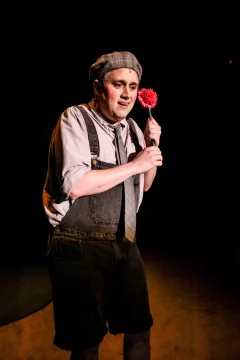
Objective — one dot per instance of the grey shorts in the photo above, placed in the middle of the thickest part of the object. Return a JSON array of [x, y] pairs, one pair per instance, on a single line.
[[97, 286]]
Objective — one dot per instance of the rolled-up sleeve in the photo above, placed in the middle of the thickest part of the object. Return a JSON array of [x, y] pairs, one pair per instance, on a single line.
[[72, 151]]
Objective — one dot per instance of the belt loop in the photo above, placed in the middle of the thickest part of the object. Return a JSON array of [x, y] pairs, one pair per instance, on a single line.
[[117, 252], [80, 245]]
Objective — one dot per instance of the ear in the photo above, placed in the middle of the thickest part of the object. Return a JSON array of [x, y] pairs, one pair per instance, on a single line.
[[96, 86]]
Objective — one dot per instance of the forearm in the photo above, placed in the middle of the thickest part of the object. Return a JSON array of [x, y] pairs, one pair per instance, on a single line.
[[97, 181], [149, 176]]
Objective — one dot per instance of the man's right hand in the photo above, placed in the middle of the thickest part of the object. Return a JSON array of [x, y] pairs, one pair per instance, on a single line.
[[148, 158]]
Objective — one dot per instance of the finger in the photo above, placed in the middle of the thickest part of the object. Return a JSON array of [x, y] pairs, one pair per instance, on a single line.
[[159, 157], [149, 121], [154, 122]]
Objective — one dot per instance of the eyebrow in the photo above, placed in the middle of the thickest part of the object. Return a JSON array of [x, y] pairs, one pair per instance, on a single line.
[[124, 82]]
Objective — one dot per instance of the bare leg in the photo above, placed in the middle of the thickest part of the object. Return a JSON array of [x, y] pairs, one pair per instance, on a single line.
[[136, 346], [85, 354]]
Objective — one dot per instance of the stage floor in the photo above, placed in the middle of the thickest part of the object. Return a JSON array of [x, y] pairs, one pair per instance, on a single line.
[[195, 306]]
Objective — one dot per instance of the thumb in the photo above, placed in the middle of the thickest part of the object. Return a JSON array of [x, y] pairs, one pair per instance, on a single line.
[[149, 120]]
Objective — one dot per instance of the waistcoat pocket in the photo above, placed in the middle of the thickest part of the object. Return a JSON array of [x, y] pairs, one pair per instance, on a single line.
[[106, 207]]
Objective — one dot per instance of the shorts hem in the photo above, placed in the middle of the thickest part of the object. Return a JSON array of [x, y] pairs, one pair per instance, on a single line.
[[131, 330], [70, 346]]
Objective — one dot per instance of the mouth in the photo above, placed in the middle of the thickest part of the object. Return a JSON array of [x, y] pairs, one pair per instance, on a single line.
[[123, 104]]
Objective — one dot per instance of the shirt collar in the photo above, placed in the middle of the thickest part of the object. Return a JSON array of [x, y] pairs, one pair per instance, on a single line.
[[101, 118]]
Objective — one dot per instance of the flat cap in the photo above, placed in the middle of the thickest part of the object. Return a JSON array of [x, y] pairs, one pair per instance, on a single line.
[[113, 61]]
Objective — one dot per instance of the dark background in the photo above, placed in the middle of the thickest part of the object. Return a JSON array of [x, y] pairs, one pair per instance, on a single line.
[[193, 203]]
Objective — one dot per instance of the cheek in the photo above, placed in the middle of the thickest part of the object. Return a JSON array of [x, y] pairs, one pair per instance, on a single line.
[[112, 95], [134, 96]]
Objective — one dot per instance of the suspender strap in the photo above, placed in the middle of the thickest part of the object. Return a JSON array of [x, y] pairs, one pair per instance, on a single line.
[[134, 136], [92, 132]]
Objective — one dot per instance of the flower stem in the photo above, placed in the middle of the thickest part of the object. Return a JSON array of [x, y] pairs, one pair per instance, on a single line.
[[150, 114]]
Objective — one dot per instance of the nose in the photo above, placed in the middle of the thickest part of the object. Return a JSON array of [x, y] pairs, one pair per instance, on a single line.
[[126, 91]]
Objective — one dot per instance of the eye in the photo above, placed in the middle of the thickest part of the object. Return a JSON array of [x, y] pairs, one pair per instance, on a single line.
[[133, 87], [118, 85]]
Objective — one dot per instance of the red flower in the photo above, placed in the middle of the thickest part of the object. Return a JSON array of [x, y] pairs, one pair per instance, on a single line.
[[147, 98]]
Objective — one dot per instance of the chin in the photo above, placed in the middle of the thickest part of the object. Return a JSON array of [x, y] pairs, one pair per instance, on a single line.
[[122, 114]]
